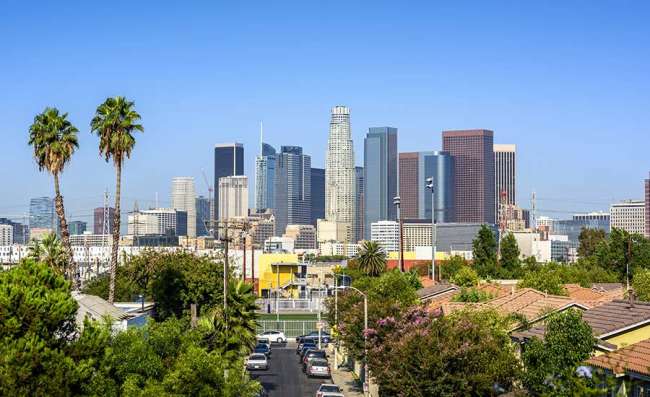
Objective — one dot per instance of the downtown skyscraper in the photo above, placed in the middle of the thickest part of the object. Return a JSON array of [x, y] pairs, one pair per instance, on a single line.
[[292, 188], [379, 176], [228, 161], [473, 174], [504, 175], [340, 189], [41, 213], [317, 194], [184, 199], [265, 163]]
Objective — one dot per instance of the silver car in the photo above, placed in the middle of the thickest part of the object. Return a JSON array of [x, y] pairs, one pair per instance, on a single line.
[[257, 361], [320, 368]]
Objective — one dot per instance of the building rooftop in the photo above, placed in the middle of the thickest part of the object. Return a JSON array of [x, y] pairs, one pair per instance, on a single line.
[[605, 320], [634, 358]]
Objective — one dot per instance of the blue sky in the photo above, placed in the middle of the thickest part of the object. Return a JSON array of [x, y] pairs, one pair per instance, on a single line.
[[567, 81]]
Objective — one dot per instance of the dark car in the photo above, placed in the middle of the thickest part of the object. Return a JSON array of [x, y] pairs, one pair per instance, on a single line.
[[305, 349], [303, 344], [263, 349], [325, 337], [311, 355]]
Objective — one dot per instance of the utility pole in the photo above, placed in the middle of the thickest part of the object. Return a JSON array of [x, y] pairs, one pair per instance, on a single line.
[[397, 201], [434, 230]]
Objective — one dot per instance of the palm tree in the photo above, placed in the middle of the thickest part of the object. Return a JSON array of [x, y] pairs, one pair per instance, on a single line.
[[371, 258], [49, 251], [54, 140], [235, 332], [115, 122]]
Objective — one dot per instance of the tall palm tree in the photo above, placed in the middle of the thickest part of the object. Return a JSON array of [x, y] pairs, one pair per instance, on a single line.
[[49, 251], [115, 122], [54, 140], [371, 258]]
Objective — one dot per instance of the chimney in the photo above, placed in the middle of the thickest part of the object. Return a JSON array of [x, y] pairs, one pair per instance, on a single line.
[[630, 296]]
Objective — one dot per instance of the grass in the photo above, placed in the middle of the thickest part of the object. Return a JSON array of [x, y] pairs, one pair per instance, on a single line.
[[300, 316]]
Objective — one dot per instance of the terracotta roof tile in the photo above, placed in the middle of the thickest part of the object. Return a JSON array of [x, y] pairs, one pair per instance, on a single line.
[[593, 296], [634, 358], [531, 303], [427, 294]]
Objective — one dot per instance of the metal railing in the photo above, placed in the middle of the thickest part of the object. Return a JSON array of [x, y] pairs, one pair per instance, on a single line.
[[291, 328], [291, 305]]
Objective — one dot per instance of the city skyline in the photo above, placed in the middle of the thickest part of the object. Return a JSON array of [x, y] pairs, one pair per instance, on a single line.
[[534, 88]]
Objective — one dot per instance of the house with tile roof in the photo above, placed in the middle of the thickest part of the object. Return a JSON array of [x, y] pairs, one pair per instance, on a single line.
[[629, 366], [615, 324], [528, 303], [595, 295]]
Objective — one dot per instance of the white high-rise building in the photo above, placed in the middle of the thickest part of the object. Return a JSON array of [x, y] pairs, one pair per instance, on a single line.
[[628, 215], [140, 224], [340, 196], [504, 175], [386, 234], [184, 199], [233, 197], [6, 235]]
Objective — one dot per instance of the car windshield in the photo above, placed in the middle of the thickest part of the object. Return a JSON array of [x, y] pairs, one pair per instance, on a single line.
[[332, 388], [317, 353], [257, 357]]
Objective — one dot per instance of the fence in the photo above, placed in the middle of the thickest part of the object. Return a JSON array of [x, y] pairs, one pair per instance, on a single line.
[[291, 328], [291, 305]]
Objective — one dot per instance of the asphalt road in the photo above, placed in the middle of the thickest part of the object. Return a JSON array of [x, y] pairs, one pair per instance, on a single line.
[[285, 378]]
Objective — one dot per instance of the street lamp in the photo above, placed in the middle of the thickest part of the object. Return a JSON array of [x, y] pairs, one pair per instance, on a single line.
[[434, 234], [398, 201], [365, 337]]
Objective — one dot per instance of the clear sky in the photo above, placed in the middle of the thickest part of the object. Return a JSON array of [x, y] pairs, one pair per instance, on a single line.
[[567, 81]]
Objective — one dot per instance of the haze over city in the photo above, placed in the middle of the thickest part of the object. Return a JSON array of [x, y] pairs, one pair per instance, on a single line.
[[566, 83]]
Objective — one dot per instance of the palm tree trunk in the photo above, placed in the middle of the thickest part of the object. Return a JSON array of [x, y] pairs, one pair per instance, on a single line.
[[65, 234], [116, 230]]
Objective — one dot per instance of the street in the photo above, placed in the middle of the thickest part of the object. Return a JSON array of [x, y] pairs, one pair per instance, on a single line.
[[285, 378]]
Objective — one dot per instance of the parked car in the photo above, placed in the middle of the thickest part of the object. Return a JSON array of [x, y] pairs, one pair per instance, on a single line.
[[312, 355], [257, 361], [264, 341], [319, 367], [328, 388], [305, 349], [302, 344], [262, 349], [332, 394], [325, 337], [273, 336]]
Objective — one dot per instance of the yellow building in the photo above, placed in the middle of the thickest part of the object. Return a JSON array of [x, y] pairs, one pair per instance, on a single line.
[[278, 270]]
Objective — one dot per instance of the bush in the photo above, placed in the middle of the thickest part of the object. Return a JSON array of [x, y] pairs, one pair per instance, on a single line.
[[466, 277]]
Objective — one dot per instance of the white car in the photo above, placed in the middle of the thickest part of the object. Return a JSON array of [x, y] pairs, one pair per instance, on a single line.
[[257, 361], [273, 336], [329, 390]]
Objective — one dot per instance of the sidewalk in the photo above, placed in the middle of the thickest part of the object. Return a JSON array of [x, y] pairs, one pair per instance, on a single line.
[[345, 379]]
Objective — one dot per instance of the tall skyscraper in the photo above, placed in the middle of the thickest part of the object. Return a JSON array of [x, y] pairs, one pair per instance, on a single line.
[[202, 205], [474, 174], [293, 188], [505, 173], [77, 227], [265, 164], [380, 176], [228, 161], [98, 220], [359, 204], [628, 215], [233, 197], [41, 213], [339, 171], [647, 207], [317, 194], [415, 168], [184, 199]]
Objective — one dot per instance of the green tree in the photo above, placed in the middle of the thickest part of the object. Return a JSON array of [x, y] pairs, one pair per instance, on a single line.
[[54, 140], [641, 285], [547, 280], [451, 266], [115, 122], [49, 251], [484, 248], [551, 364], [510, 263], [472, 295], [589, 239], [465, 354], [371, 258], [466, 277], [623, 251]]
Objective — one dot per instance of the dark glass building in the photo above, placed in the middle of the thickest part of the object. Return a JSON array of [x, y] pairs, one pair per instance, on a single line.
[[317, 194], [228, 161], [379, 176], [98, 220], [292, 188], [202, 215], [474, 174], [41, 213], [77, 227]]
